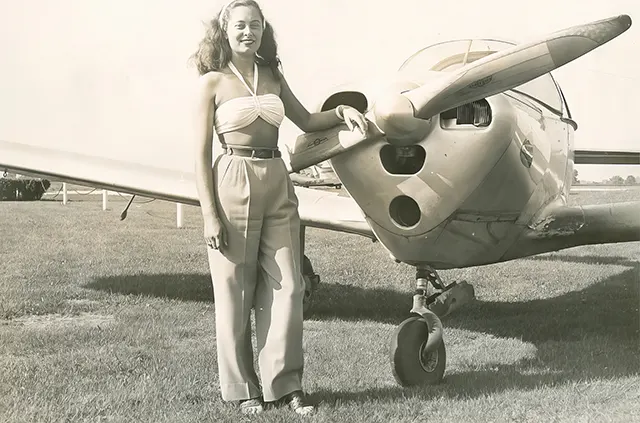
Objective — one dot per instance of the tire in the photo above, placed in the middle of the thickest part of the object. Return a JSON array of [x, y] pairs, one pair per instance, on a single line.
[[409, 366]]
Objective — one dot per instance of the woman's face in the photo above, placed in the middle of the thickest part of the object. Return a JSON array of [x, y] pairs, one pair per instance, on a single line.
[[244, 30]]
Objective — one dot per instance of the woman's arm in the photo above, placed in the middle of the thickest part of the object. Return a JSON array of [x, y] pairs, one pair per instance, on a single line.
[[311, 122], [214, 232], [203, 122]]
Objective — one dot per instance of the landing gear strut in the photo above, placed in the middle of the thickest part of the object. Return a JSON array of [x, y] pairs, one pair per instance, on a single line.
[[311, 279], [418, 353], [311, 282]]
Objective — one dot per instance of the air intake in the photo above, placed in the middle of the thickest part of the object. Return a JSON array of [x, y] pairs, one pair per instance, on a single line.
[[477, 113]]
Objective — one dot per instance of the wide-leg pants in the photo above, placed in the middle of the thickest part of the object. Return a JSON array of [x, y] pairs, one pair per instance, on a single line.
[[260, 267]]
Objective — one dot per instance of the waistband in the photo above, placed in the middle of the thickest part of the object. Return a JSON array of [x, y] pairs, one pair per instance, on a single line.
[[254, 153]]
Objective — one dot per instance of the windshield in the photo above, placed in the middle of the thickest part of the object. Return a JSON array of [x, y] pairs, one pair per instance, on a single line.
[[452, 55]]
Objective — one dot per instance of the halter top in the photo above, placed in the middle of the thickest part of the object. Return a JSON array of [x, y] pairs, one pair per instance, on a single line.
[[240, 112]]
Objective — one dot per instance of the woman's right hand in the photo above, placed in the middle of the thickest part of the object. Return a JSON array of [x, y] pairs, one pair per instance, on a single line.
[[214, 233]]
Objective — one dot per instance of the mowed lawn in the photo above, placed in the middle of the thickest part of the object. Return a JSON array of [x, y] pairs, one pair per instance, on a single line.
[[109, 320]]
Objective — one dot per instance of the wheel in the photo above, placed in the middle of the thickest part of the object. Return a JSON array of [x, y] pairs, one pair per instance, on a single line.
[[311, 281], [410, 365]]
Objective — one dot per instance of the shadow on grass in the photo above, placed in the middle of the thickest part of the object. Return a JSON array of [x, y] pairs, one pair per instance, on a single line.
[[608, 308], [186, 287], [613, 260], [467, 385], [331, 300], [581, 335], [349, 302]]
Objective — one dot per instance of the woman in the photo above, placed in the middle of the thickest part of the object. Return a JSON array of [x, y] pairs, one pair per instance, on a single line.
[[251, 223]]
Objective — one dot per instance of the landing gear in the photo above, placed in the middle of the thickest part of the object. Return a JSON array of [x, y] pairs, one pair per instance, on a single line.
[[311, 279], [412, 365], [418, 354], [311, 282]]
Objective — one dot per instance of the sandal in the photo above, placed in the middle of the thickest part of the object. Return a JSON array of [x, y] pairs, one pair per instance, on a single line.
[[298, 402], [251, 406]]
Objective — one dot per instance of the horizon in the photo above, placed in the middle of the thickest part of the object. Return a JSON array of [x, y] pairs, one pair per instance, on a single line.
[[582, 179]]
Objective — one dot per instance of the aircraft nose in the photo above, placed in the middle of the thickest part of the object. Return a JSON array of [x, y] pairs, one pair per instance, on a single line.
[[394, 115]]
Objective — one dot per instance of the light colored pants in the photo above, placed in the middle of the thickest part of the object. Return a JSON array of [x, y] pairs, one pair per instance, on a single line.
[[260, 267]]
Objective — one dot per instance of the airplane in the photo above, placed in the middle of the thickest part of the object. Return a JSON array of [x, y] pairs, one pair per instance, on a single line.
[[467, 160], [320, 175]]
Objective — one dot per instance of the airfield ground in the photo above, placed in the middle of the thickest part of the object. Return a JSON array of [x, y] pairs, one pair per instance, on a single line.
[[108, 320]]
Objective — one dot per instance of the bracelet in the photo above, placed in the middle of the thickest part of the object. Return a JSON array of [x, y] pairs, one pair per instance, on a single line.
[[340, 116]]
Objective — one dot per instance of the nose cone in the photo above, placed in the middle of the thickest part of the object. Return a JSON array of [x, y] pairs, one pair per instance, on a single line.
[[394, 116]]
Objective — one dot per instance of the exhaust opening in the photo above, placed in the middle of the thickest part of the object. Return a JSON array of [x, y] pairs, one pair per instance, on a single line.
[[404, 211]]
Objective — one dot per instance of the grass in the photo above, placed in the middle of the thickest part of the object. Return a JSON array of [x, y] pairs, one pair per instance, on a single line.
[[108, 320]]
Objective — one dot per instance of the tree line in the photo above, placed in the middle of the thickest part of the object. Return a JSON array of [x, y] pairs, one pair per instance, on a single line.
[[614, 180]]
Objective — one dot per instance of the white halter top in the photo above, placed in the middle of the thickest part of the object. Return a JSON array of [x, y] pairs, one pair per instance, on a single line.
[[240, 112]]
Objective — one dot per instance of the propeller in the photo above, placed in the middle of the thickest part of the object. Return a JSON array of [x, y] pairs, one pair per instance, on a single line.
[[401, 116], [403, 113]]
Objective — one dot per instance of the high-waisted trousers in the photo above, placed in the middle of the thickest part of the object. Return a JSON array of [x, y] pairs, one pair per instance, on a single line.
[[259, 268]]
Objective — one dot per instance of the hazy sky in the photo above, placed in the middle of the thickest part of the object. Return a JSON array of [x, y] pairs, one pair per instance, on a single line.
[[113, 73]]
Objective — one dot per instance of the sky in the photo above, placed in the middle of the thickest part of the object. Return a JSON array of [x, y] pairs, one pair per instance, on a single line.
[[111, 75]]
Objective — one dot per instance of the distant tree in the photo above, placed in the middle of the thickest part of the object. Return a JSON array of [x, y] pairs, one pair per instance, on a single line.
[[575, 176], [631, 180], [616, 180]]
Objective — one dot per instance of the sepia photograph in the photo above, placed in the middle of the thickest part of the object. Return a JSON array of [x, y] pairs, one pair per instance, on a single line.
[[278, 211]]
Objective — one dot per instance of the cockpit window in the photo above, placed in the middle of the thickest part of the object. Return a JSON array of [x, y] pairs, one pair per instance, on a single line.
[[543, 89], [452, 55]]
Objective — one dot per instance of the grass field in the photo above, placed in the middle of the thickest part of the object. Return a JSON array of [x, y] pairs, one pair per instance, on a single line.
[[109, 320]]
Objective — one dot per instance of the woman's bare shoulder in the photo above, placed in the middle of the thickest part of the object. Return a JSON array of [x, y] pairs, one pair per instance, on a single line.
[[209, 82], [211, 78]]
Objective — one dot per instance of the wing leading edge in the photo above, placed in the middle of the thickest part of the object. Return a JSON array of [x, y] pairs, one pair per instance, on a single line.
[[99, 172], [606, 157], [317, 208]]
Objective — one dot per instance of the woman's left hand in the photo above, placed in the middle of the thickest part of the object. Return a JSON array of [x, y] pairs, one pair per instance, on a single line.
[[352, 117]]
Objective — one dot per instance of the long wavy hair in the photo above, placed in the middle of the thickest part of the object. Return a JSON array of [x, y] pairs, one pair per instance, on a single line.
[[214, 51]]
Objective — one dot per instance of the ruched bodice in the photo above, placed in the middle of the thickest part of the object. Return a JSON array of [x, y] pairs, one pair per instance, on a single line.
[[241, 112]]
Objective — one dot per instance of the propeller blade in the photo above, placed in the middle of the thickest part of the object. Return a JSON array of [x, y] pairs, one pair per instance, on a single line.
[[514, 66], [315, 147]]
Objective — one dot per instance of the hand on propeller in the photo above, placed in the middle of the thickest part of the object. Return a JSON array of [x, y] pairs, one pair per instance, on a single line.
[[353, 118]]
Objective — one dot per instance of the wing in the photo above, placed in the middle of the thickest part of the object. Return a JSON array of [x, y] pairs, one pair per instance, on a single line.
[[330, 210], [606, 157], [318, 209], [566, 227], [115, 175], [571, 226]]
